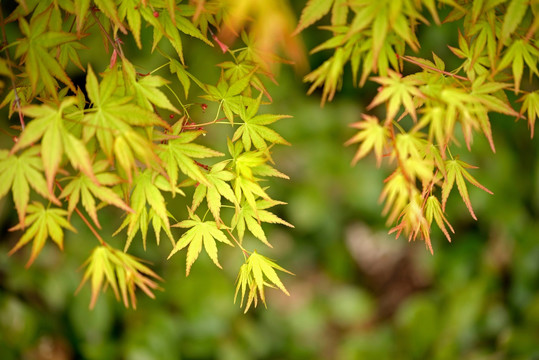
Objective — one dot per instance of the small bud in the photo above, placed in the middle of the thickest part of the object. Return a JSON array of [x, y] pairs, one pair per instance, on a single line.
[[204, 106], [171, 116], [155, 14]]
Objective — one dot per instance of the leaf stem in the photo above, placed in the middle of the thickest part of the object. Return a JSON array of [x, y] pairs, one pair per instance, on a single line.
[[92, 229], [246, 253]]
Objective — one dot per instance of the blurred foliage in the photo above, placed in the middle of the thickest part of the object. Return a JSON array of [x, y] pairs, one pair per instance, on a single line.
[[357, 293]]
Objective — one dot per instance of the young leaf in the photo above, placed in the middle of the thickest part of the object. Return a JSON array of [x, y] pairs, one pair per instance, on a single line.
[[456, 171], [147, 189], [20, 173], [49, 126], [218, 178], [253, 129], [44, 223], [531, 105], [40, 65], [82, 188], [122, 272], [199, 233], [248, 216], [312, 12], [178, 155], [372, 135]]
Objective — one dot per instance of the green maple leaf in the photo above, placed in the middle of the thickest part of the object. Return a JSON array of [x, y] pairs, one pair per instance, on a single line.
[[170, 23], [531, 105], [456, 172], [19, 173], [122, 272], [433, 209], [39, 63], [113, 119], [199, 233], [255, 274], [130, 9], [313, 11], [182, 74], [253, 129], [178, 154], [247, 216], [146, 89], [146, 192], [372, 135], [82, 188], [397, 91], [43, 223], [521, 51], [218, 177], [228, 96], [49, 125]]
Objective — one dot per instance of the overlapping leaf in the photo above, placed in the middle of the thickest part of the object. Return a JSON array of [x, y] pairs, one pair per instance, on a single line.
[[178, 154], [254, 275], [218, 178], [40, 65], [83, 189], [122, 272], [49, 125], [19, 173], [146, 192]]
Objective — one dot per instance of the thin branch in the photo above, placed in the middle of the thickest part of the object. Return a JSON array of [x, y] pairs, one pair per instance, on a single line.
[[94, 231], [424, 66], [104, 31]]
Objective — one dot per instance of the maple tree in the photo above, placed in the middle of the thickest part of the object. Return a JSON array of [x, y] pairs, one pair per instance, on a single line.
[[126, 139]]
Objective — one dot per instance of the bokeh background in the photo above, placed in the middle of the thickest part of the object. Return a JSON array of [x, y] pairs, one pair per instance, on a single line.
[[357, 292]]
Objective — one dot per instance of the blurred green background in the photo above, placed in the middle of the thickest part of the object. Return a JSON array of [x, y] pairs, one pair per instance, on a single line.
[[357, 292]]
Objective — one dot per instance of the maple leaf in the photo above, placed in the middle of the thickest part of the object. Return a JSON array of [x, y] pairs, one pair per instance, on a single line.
[[397, 90], [218, 177], [257, 272], [113, 119], [228, 96], [49, 126], [247, 216], [169, 24], [129, 9], [43, 223], [20, 173], [531, 105], [520, 52], [33, 48], [122, 272], [372, 135], [147, 189], [178, 154], [253, 130], [82, 188], [200, 233], [433, 210], [456, 172], [312, 12]]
